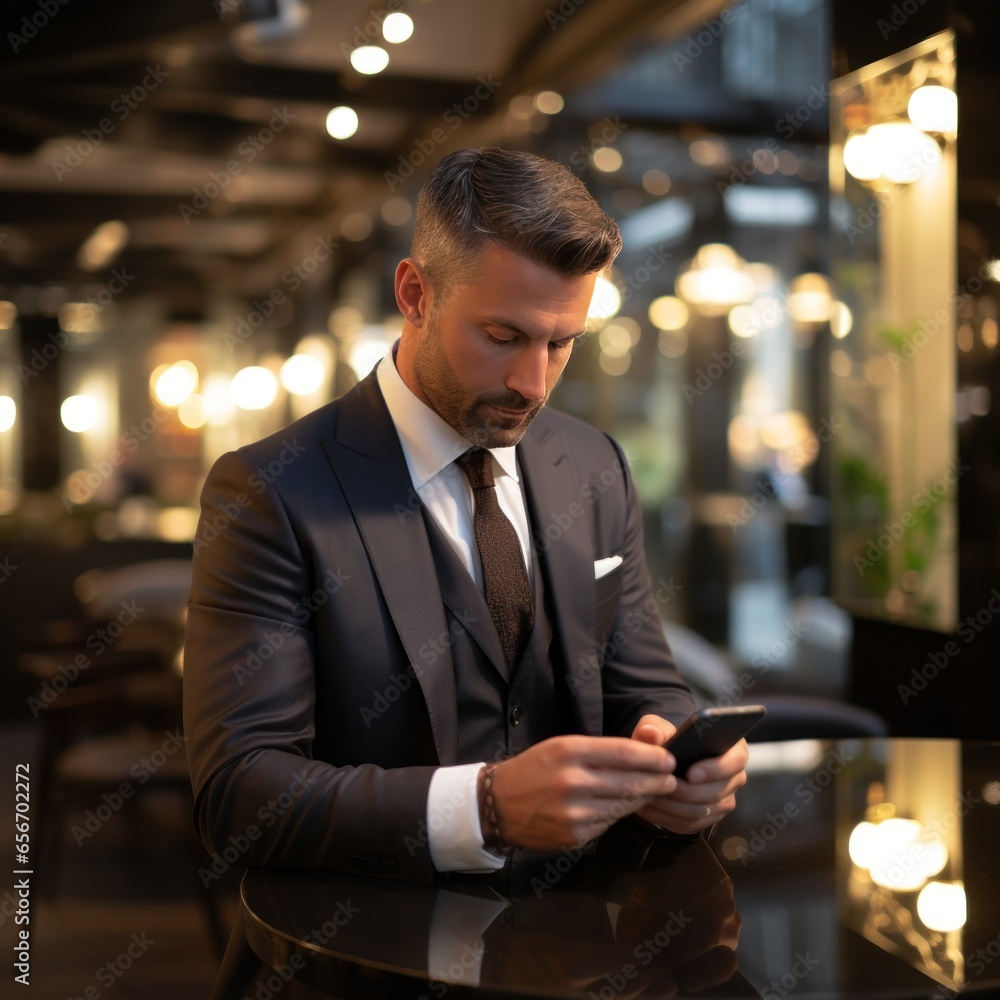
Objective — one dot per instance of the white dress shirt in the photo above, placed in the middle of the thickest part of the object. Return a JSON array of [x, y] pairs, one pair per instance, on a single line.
[[430, 447]]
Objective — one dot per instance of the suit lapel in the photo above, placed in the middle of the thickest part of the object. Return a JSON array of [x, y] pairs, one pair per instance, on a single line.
[[566, 549], [369, 464]]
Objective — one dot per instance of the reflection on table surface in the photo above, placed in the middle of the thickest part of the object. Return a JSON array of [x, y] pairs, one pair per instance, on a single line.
[[852, 869]]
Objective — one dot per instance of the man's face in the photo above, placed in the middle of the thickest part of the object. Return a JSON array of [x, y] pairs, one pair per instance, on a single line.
[[487, 357]]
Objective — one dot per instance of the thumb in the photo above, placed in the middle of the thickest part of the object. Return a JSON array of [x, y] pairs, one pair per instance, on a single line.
[[653, 729], [648, 733]]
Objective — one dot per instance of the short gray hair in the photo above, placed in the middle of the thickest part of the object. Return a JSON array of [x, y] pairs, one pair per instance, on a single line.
[[521, 202]]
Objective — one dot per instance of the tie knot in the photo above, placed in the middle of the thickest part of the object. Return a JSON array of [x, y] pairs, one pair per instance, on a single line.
[[477, 464]]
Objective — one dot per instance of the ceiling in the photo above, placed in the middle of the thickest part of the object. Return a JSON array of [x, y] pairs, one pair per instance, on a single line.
[[201, 125]]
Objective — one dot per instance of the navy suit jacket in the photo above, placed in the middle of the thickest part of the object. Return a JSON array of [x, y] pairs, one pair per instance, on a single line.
[[319, 684]]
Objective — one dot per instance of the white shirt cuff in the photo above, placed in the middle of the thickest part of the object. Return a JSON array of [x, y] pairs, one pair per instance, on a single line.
[[455, 837]]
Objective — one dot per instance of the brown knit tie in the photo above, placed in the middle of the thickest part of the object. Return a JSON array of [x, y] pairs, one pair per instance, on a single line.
[[505, 580]]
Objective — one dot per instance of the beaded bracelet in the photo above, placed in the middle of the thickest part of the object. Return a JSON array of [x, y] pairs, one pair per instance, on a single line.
[[488, 819]]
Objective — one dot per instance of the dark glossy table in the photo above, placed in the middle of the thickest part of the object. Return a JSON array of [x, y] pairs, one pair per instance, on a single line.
[[865, 868]]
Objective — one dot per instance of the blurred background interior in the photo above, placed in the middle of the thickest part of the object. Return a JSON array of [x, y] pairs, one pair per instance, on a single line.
[[201, 207]]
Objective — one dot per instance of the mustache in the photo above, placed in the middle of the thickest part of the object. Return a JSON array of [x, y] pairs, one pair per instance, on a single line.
[[511, 401]]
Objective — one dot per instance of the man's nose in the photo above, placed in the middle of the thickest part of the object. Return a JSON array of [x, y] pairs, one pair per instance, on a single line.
[[529, 372]]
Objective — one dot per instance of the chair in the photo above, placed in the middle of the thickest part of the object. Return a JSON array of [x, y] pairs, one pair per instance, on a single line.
[[714, 678], [110, 745], [131, 620], [123, 707], [141, 606], [796, 717]]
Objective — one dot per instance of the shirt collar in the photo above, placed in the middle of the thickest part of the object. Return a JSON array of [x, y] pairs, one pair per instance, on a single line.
[[430, 443]]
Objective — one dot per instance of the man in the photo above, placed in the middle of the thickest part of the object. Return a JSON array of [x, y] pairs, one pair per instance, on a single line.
[[381, 675]]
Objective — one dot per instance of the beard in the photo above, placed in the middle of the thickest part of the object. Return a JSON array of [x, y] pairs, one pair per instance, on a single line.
[[472, 416]]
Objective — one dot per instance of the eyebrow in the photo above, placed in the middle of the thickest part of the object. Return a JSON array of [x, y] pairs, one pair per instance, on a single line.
[[513, 328]]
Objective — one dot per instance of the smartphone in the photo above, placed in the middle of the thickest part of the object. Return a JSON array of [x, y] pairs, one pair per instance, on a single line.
[[710, 732]]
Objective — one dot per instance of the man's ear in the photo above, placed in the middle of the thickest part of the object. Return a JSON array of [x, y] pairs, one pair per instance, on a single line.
[[413, 292]]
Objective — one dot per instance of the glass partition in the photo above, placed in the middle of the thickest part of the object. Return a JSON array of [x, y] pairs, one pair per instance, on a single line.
[[893, 253]]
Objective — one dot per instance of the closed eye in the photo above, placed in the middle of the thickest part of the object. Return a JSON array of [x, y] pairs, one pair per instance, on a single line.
[[564, 344], [502, 341]]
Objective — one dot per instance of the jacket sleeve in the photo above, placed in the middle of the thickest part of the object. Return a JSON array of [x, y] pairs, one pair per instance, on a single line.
[[261, 799], [639, 675]]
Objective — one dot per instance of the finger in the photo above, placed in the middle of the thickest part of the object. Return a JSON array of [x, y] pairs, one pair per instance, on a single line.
[[607, 783], [620, 753], [649, 733], [600, 814], [685, 817], [654, 729], [731, 762], [708, 791]]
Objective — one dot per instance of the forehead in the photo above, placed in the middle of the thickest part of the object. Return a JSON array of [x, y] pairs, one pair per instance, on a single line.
[[503, 278]]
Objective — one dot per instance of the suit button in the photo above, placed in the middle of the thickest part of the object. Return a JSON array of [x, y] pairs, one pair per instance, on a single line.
[[515, 715], [389, 865], [373, 864], [357, 862]]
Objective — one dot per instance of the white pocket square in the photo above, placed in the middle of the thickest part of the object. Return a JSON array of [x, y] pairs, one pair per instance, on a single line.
[[602, 567]]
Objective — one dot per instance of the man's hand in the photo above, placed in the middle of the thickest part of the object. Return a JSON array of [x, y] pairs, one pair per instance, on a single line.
[[567, 790], [707, 792]]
